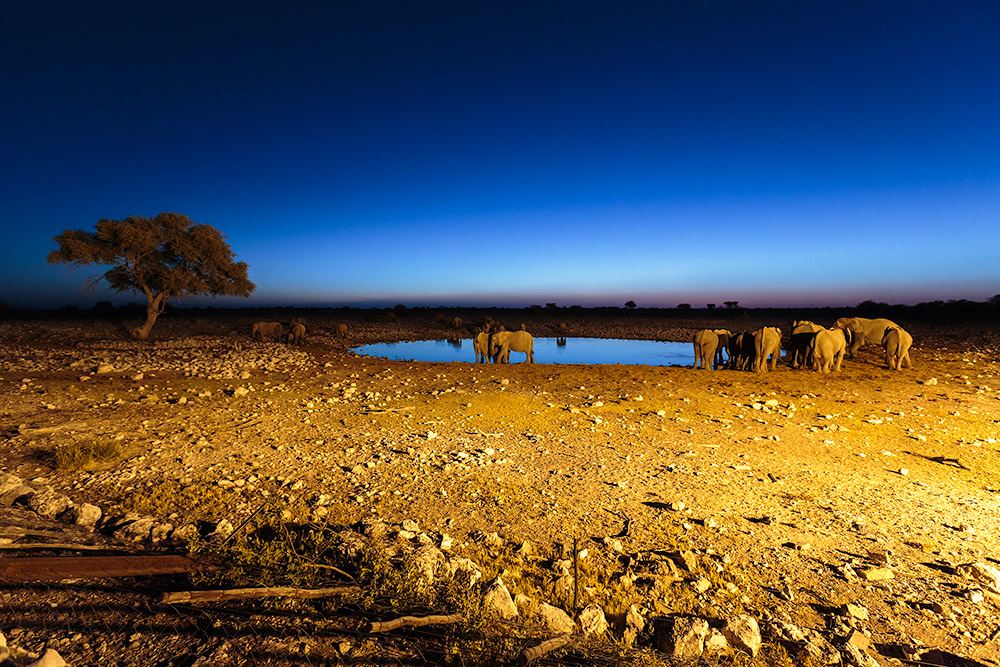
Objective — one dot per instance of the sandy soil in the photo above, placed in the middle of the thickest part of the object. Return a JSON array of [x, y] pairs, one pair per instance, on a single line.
[[786, 475]]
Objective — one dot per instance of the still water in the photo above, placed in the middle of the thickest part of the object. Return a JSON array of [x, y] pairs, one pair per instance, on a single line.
[[547, 351]]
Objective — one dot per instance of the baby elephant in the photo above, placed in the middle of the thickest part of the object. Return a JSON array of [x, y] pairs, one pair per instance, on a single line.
[[262, 329], [897, 344], [297, 334]]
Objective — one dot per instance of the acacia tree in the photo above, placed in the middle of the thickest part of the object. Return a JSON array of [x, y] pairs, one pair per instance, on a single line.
[[166, 257]]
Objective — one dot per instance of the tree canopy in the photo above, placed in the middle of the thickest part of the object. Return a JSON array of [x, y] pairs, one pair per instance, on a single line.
[[165, 257]]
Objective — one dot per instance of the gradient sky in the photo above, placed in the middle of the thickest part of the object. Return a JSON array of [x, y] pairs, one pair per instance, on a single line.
[[506, 153]]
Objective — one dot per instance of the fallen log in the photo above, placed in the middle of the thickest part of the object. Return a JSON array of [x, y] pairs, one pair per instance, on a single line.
[[54, 568], [179, 597], [415, 622], [58, 546], [546, 647]]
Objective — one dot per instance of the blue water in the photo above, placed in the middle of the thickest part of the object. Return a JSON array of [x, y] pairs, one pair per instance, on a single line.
[[575, 351]]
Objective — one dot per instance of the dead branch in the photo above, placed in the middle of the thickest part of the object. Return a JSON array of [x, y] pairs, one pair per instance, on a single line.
[[546, 647], [415, 621], [330, 567], [250, 593], [24, 430]]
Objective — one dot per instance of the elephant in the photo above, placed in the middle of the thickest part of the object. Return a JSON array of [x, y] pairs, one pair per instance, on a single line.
[[705, 344], [863, 330], [481, 346], [297, 333], [297, 320], [767, 343], [341, 330], [897, 342], [741, 351], [502, 342], [262, 329], [803, 332], [827, 349], [708, 347]]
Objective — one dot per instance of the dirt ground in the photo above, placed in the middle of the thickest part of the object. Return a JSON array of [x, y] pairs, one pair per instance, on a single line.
[[786, 475]]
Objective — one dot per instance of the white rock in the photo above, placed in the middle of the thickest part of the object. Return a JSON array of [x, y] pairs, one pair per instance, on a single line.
[[555, 619], [496, 599], [50, 658], [682, 637], [592, 621], [49, 504], [464, 571], [427, 561], [743, 633]]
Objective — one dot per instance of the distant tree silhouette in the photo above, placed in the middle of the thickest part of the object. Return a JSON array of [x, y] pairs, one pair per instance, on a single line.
[[731, 304], [710, 305], [630, 304], [684, 306], [166, 257]]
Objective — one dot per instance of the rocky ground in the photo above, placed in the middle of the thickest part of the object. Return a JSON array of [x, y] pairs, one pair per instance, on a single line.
[[802, 493]]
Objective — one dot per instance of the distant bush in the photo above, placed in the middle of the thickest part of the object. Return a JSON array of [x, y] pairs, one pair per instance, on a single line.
[[76, 456]]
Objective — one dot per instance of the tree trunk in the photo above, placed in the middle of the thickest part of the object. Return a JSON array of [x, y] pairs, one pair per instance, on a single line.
[[154, 308]]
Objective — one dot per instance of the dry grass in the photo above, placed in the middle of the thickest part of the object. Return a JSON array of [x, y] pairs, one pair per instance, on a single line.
[[80, 455]]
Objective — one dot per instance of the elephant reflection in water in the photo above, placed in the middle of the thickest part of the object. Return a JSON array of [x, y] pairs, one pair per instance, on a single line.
[[561, 342], [455, 342]]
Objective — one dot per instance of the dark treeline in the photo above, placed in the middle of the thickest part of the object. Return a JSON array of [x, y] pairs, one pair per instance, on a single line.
[[931, 312]]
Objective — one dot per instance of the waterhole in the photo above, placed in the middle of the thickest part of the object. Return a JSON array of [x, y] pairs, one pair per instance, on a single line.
[[547, 351]]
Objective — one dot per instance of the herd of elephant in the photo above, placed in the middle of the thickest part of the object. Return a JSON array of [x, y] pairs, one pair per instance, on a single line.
[[810, 345], [496, 346], [296, 331]]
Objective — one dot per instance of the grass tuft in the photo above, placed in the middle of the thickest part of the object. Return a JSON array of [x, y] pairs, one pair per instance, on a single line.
[[77, 456]]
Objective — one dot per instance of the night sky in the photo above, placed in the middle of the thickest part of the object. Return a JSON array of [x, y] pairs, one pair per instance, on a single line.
[[772, 152]]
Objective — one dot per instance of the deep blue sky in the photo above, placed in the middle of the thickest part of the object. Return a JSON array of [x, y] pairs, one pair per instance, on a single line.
[[477, 153]]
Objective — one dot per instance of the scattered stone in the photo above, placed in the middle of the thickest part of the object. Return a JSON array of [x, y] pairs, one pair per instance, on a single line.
[[50, 658], [858, 656], [854, 612], [555, 619], [427, 561], [675, 506], [84, 514], [9, 482], [683, 638], [410, 525], [221, 531], [635, 623], [185, 533], [18, 494], [743, 633], [49, 504], [982, 572], [496, 599], [685, 559], [700, 585], [161, 531], [876, 574], [819, 650], [715, 642], [846, 571], [134, 531], [592, 621], [525, 550], [464, 571], [880, 557]]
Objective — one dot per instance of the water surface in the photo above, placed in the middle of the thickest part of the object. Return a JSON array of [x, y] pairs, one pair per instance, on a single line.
[[547, 351]]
